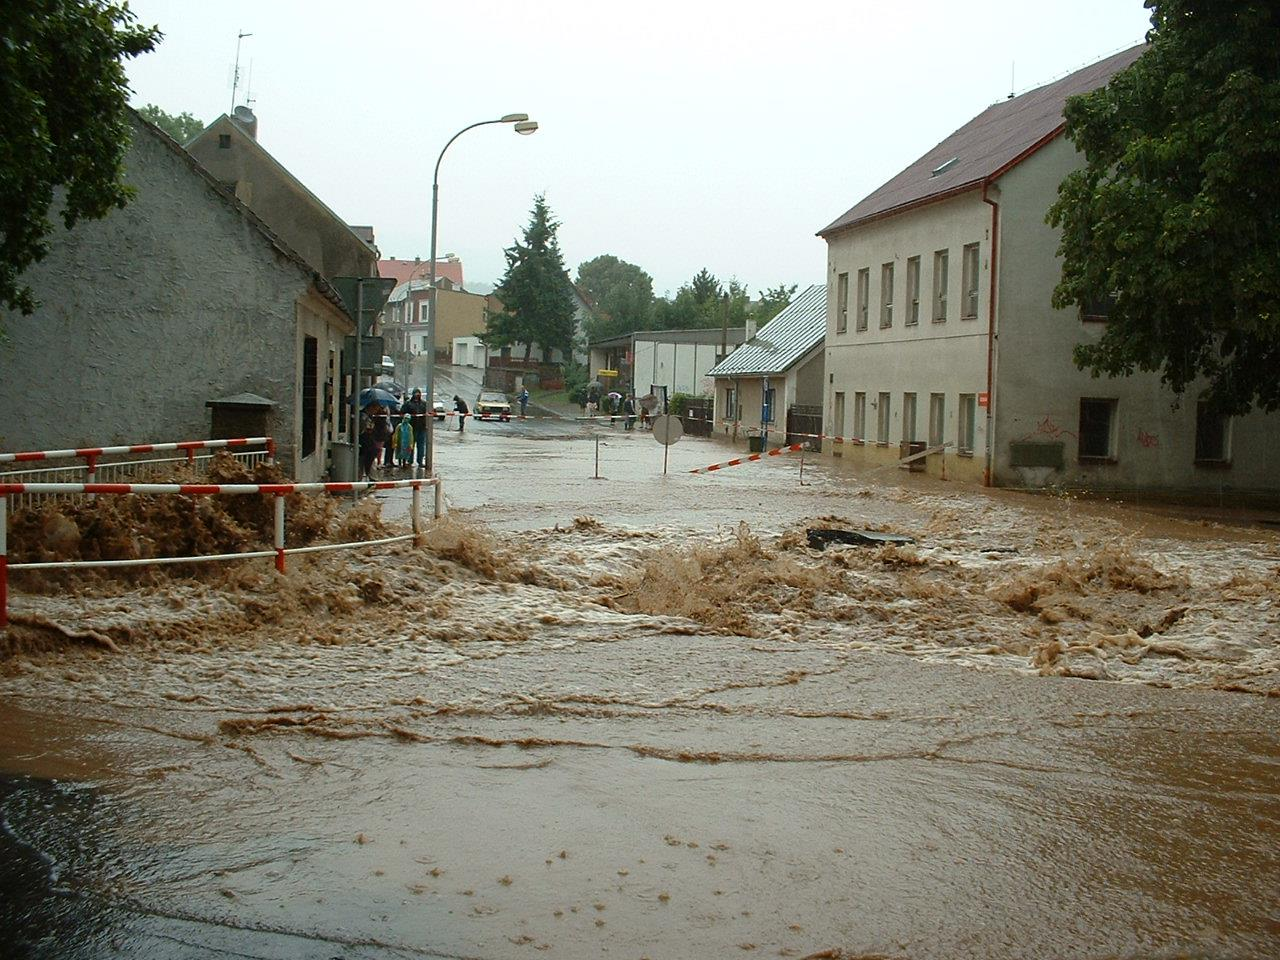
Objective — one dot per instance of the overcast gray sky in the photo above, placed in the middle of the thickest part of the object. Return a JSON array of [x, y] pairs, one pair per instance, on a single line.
[[673, 135]]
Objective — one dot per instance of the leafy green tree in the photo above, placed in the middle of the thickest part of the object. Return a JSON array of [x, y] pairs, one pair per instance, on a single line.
[[1175, 215], [623, 295], [772, 302], [184, 127], [535, 292], [64, 123]]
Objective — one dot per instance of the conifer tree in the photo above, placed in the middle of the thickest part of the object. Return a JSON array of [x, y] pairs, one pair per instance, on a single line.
[[535, 292]]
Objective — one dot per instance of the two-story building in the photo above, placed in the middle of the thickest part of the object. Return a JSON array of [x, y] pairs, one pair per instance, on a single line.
[[940, 329]]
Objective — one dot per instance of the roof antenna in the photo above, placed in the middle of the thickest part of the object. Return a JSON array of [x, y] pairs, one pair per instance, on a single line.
[[235, 77], [1012, 64], [249, 99]]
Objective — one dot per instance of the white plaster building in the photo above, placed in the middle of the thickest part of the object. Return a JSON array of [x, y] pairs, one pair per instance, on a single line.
[[940, 329]]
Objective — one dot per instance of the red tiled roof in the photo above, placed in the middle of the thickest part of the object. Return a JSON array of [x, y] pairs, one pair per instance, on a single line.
[[406, 270], [996, 139]]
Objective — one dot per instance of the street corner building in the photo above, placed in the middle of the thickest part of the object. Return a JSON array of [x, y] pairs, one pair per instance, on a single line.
[[941, 337], [183, 299]]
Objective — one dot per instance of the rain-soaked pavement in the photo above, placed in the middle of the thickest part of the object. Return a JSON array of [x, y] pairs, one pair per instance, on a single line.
[[601, 717]]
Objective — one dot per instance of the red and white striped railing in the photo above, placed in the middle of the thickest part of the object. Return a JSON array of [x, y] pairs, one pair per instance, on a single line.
[[91, 454], [278, 549]]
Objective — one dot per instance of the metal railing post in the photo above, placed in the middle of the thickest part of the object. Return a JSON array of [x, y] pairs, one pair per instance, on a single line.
[[439, 499], [279, 537], [416, 512], [4, 561]]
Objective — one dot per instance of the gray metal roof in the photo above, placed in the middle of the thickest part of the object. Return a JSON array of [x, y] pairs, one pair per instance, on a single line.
[[783, 340], [709, 335], [990, 143]]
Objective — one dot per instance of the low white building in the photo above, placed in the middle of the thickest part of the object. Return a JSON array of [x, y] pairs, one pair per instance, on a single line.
[[940, 329], [772, 384], [649, 361]]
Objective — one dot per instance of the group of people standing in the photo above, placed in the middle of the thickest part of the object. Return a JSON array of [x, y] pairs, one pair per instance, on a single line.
[[628, 407], [394, 437]]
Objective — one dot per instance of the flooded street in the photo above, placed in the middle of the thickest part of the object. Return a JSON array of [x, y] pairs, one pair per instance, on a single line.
[[638, 716]]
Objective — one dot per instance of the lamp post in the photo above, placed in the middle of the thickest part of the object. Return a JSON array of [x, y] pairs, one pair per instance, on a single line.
[[522, 125]]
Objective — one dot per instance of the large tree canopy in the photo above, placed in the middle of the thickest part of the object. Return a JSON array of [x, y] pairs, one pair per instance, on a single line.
[[1176, 214], [63, 123], [535, 292], [623, 295], [183, 127]]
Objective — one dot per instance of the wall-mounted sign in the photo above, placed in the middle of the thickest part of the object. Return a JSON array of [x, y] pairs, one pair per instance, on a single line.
[[984, 399], [606, 373]]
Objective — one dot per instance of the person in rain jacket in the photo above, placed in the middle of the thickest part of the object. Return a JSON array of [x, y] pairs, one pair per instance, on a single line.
[[461, 406], [404, 443], [524, 402], [629, 408]]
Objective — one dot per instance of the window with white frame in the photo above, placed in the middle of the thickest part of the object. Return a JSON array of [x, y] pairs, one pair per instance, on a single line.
[[913, 292], [882, 419], [842, 303], [886, 295], [970, 277], [908, 417], [864, 291], [837, 414], [968, 423], [940, 286], [937, 418], [860, 416]]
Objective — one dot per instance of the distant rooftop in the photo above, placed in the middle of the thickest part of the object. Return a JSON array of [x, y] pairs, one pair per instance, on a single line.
[[996, 139], [796, 331], [416, 269]]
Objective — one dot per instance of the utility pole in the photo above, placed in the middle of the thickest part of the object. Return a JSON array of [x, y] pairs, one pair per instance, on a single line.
[[724, 326]]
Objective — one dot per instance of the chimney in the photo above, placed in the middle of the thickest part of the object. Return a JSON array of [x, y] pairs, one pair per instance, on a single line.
[[751, 328], [247, 119]]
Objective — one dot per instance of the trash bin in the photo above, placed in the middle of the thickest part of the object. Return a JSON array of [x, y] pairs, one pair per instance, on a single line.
[[755, 444], [344, 460]]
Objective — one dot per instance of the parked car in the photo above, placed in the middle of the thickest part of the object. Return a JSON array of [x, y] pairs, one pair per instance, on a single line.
[[492, 405], [438, 409]]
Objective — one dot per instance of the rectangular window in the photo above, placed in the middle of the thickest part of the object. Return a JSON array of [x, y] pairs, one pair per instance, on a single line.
[[1097, 309], [860, 416], [913, 292], [908, 417], [864, 291], [968, 421], [842, 303], [310, 394], [837, 415], [940, 286], [730, 403], [882, 419], [886, 295], [1213, 434], [937, 418], [970, 282], [1097, 429], [772, 414], [423, 315]]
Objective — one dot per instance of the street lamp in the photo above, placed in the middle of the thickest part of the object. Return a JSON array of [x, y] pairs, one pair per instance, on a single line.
[[522, 125]]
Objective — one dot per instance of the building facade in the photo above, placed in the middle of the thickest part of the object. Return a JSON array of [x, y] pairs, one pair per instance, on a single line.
[[941, 333], [678, 360], [182, 297]]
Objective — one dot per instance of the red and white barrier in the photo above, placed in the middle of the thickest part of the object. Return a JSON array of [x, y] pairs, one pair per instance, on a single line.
[[790, 448], [278, 490], [91, 454]]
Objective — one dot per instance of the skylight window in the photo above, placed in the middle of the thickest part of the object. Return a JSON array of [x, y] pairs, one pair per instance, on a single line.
[[943, 167]]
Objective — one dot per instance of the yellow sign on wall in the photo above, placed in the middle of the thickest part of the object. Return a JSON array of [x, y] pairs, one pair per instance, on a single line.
[[606, 373]]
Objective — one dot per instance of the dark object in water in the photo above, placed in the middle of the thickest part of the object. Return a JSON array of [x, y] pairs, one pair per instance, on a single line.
[[819, 537]]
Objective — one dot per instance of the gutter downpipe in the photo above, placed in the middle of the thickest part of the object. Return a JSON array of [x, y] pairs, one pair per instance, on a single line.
[[988, 470]]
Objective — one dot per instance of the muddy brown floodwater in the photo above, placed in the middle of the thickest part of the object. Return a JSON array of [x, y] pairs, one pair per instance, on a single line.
[[640, 717]]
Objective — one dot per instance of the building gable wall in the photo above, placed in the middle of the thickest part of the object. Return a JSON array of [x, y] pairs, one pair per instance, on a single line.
[[147, 314]]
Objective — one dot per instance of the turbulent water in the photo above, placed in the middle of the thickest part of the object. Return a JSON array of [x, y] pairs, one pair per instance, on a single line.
[[641, 717]]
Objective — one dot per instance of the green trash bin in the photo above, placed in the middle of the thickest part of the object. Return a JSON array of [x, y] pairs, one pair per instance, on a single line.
[[755, 444]]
